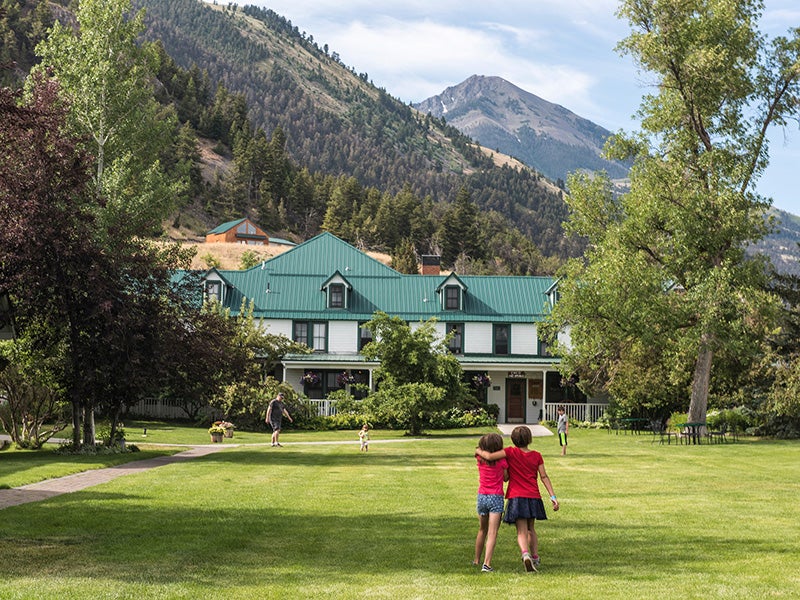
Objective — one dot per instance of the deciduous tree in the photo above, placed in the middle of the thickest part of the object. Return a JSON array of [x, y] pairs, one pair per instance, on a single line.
[[108, 78], [417, 376], [666, 271]]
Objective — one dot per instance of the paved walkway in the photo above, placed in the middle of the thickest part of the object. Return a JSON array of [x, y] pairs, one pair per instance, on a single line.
[[42, 490], [536, 430]]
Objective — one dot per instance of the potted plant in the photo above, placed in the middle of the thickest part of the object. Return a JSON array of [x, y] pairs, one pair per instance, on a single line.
[[217, 433], [228, 426]]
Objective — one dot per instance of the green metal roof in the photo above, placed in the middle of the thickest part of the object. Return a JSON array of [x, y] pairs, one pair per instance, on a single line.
[[226, 226], [288, 286]]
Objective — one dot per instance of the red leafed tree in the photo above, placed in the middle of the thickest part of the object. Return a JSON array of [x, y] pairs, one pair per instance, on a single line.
[[49, 261]]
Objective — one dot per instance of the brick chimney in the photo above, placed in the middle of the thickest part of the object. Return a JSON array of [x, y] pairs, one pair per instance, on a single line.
[[430, 264]]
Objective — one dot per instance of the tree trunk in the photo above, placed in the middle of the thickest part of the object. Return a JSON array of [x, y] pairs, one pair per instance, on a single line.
[[76, 422], [88, 426], [698, 406]]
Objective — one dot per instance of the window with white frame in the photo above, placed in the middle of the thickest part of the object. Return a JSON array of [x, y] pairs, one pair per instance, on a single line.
[[313, 334], [214, 290]]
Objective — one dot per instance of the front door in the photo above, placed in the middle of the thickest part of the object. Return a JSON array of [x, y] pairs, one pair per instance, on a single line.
[[515, 400]]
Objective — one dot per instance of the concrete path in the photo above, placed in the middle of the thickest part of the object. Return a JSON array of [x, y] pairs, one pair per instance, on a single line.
[[536, 429], [42, 490]]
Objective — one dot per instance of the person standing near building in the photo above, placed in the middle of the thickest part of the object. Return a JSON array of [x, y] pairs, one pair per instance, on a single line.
[[562, 429], [275, 413]]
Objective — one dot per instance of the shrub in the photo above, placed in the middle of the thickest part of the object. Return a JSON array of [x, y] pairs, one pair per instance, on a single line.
[[457, 417]]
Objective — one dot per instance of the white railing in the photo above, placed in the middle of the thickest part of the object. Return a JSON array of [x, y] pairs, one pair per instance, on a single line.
[[578, 411], [323, 407]]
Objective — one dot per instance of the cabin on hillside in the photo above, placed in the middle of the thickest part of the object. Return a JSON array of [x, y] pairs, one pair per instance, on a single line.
[[241, 231]]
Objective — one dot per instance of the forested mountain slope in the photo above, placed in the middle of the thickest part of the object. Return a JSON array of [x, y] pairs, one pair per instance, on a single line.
[[336, 122]]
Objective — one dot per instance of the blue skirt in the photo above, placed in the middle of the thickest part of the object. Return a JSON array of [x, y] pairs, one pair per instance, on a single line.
[[524, 508]]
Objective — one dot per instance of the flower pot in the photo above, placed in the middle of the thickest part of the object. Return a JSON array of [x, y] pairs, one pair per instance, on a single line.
[[229, 433], [216, 438]]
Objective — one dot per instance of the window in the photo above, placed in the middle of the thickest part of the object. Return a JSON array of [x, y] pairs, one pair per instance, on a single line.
[[320, 341], [336, 295], [312, 334], [501, 339], [214, 290], [300, 332], [452, 297], [456, 343], [364, 336]]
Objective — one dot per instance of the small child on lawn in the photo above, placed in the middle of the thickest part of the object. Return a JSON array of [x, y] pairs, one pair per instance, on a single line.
[[363, 435]]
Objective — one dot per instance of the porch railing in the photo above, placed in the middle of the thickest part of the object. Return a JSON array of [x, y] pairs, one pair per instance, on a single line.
[[578, 411], [323, 407]]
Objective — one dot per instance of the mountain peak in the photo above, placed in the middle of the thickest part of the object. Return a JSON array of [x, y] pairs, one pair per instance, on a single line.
[[544, 135]]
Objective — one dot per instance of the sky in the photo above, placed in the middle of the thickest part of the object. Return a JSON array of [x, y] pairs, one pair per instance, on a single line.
[[560, 50]]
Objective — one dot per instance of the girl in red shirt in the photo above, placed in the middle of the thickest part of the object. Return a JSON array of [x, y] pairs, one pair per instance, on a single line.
[[523, 501], [491, 475]]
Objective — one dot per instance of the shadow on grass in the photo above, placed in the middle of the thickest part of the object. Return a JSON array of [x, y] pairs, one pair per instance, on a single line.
[[124, 539]]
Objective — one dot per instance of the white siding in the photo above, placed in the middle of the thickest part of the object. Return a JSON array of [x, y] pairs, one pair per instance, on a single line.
[[523, 339], [278, 327], [342, 337], [478, 338]]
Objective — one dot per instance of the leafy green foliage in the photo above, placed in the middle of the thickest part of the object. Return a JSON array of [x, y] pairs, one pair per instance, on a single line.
[[33, 407], [666, 291], [112, 105], [417, 377]]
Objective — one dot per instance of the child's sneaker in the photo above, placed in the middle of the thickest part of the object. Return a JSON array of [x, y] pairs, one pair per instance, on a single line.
[[536, 560], [486, 569], [528, 562]]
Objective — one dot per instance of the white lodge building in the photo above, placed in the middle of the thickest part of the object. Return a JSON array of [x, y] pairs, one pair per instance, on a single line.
[[322, 292]]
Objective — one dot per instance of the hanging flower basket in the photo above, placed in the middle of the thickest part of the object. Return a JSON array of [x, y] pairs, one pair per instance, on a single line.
[[344, 378], [481, 381], [311, 378]]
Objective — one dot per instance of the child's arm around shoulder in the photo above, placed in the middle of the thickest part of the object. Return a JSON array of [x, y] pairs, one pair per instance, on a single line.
[[490, 455]]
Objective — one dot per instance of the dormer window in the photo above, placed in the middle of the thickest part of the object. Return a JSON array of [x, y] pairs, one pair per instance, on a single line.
[[452, 297], [214, 291], [336, 295], [451, 293], [337, 290]]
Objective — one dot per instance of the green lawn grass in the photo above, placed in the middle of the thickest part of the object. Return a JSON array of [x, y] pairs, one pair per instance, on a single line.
[[638, 520]]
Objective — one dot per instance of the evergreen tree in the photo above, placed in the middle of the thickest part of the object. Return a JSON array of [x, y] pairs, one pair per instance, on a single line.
[[404, 258], [460, 231]]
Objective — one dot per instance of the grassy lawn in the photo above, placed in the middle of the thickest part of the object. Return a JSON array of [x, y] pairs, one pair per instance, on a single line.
[[638, 520]]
